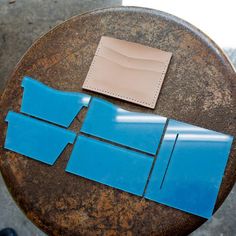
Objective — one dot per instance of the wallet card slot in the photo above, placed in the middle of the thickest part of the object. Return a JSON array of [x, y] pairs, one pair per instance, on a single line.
[[135, 50], [138, 58], [123, 80], [130, 61], [126, 67]]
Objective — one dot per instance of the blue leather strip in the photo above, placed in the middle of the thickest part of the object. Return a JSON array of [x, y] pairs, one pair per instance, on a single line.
[[140, 131], [49, 104], [111, 165], [36, 139], [189, 168]]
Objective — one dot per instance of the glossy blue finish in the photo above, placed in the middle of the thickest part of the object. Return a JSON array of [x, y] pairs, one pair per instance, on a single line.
[[140, 131], [36, 139], [49, 104], [189, 168], [111, 165]]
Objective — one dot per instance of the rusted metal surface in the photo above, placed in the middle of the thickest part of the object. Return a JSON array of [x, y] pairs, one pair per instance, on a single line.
[[199, 88]]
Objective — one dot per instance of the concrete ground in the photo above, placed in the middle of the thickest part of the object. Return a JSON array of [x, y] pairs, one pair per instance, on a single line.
[[23, 21]]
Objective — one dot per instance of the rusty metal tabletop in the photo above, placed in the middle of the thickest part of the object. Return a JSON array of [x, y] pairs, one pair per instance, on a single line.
[[199, 88]]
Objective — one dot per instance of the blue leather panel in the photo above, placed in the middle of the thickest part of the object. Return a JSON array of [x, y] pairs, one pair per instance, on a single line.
[[111, 165], [49, 104], [140, 131], [189, 168], [36, 139]]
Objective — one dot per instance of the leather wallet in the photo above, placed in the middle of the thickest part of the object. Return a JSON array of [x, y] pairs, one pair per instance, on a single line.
[[128, 71]]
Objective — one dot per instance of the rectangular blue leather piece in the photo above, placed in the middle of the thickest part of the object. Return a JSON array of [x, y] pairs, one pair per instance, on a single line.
[[110, 165], [189, 168], [140, 131], [38, 140]]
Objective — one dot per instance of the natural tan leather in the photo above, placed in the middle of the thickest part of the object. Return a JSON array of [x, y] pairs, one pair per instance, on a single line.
[[128, 71]]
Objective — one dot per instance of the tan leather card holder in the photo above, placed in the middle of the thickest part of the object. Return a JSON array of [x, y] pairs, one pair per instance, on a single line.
[[128, 71]]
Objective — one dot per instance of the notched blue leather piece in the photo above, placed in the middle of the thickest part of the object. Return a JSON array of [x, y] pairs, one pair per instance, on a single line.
[[36, 139], [49, 104], [189, 168], [132, 129], [110, 165]]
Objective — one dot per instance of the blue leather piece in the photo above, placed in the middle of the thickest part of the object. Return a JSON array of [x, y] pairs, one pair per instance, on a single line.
[[110, 165], [36, 139], [189, 168], [49, 104], [132, 129]]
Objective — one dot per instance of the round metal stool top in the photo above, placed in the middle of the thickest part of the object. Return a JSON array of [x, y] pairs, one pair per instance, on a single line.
[[199, 88]]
